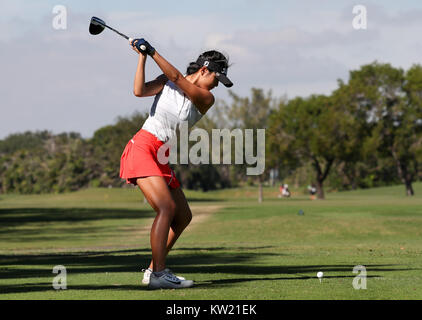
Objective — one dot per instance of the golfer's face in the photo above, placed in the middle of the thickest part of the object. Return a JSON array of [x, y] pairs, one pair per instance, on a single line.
[[210, 80]]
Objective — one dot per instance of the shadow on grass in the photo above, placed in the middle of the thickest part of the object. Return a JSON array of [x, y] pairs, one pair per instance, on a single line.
[[189, 199], [216, 265], [24, 225], [19, 216], [233, 281], [48, 287]]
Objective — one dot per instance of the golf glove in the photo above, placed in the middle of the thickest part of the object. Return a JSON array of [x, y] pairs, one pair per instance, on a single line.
[[143, 46]]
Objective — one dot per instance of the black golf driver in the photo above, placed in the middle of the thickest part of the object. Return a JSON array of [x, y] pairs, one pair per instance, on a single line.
[[97, 26]]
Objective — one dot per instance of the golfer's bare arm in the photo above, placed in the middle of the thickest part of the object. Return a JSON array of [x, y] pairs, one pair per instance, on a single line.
[[201, 98], [151, 88]]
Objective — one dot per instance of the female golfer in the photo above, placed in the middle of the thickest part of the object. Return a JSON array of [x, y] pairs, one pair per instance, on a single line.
[[178, 98]]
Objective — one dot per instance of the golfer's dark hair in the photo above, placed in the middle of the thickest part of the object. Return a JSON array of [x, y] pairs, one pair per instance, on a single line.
[[211, 55]]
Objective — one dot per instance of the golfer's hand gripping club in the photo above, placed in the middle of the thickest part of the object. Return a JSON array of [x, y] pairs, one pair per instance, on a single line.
[[143, 46]]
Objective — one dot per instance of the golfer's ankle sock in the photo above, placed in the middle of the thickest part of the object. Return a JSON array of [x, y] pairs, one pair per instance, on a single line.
[[159, 273]]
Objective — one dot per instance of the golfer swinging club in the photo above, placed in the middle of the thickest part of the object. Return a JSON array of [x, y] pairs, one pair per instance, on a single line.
[[178, 98]]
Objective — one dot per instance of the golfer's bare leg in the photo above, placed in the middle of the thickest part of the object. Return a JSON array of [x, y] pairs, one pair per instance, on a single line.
[[159, 197], [181, 220]]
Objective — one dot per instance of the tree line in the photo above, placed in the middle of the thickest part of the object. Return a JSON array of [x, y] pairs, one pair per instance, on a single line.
[[366, 133]]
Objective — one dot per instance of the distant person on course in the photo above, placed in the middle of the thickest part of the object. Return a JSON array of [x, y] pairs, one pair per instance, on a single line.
[[178, 98], [312, 191]]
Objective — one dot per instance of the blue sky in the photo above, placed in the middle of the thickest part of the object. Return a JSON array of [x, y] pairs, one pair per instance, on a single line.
[[68, 80]]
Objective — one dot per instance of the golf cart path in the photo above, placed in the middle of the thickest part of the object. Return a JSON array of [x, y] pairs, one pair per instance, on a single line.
[[199, 215]]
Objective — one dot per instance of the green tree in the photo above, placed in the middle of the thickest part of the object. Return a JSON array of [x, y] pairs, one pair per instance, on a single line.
[[307, 130], [108, 144], [250, 113], [23, 141], [393, 109]]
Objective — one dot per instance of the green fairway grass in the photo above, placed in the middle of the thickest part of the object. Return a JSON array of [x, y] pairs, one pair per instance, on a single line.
[[235, 248]]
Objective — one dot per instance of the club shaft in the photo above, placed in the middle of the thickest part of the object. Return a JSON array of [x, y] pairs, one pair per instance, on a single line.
[[123, 35]]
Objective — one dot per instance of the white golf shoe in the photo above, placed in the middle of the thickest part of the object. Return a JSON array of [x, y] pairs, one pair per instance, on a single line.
[[147, 275], [168, 281]]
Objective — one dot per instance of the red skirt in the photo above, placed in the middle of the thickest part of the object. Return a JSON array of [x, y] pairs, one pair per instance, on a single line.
[[139, 159]]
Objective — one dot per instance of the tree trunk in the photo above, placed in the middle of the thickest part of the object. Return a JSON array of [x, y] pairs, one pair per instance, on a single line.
[[405, 176], [320, 190], [409, 188], [320, 176]]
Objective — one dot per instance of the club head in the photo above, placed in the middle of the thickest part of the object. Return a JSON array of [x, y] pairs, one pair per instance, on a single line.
[[96, 26]]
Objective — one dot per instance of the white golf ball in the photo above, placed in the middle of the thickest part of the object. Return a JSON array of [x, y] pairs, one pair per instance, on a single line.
[[143, 47], [320, 274]]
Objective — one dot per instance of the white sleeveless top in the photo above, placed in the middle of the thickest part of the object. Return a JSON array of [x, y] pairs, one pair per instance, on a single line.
[[170, 108]]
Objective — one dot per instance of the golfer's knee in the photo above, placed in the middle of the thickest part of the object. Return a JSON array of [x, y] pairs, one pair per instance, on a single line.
[[181, 221], [188, 218], [168, 210]]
